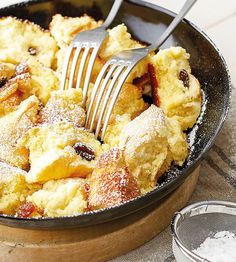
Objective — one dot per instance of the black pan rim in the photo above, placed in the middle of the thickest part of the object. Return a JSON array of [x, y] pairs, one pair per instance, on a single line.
[[165, 189]]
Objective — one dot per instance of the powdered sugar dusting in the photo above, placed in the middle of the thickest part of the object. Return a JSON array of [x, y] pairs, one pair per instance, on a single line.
[[59, 109], [143, 128], [55, 113], [109, 157], [7, 172], [113, 188], [22, 68], [219, 248], [192, 134], [12, 127]]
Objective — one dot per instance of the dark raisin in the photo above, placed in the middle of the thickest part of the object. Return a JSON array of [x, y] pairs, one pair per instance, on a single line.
[[87, 189], [84, 151], [22, 68], [26, 210], [147, 99], [3, 81], [183, 76], [154, 84], [142, 81], [32, 50]]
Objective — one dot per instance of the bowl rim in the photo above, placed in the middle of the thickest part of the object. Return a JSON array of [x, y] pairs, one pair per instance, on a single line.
[[186, 212], [163, 190]]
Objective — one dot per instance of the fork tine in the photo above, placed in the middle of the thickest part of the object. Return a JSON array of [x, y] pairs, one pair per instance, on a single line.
[[107, 97], [81, 67], [114, 98], [65, 67], [74, 65], [88, 74], [99, 98], [94, 91]]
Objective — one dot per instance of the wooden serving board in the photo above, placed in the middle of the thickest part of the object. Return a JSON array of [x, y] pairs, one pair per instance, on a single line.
[[95, 243]]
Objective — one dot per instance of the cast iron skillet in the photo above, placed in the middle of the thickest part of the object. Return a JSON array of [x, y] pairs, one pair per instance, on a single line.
[[145, 22]]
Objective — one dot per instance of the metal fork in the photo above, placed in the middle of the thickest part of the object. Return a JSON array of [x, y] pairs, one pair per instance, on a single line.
[[114, 73], [87, 42]]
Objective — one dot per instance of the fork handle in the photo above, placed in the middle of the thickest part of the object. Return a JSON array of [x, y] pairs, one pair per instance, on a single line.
[[115, 8], [184, 10]]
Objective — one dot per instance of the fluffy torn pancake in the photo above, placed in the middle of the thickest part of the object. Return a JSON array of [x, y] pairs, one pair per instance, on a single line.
[[12, 127], [13, 188], [43, 81], [64, 105], [22, 40], [146, 146], [111, 182], [178, 90], [64, 29], [64, 197], [60, 150]]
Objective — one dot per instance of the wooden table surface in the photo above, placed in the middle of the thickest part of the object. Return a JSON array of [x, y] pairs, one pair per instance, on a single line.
[[218, 170]]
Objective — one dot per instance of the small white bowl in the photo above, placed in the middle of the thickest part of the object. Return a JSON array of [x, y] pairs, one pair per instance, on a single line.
[[194, 223]]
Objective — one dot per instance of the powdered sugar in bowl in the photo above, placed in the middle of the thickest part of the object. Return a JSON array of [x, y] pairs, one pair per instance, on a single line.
[[205, 231]]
